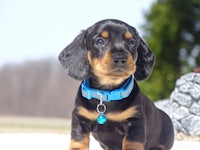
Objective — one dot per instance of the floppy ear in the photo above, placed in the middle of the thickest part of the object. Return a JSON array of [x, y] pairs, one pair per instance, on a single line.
[[145, 61], [74, 58]]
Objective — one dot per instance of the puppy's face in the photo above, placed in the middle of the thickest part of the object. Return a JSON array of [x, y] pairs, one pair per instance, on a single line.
[[112, 51]]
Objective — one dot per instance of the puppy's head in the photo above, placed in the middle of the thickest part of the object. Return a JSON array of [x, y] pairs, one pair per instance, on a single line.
[[111, 50]]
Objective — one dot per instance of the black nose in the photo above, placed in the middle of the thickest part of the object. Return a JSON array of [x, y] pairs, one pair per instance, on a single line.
[[119, 59]]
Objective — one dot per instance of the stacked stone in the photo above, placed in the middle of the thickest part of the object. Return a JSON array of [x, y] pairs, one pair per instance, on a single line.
[[184, 104]]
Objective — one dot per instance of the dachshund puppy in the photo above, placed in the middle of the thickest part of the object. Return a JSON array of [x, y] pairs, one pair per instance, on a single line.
[[110, 57]]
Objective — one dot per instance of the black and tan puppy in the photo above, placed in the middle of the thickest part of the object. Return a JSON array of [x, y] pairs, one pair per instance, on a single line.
[[109, 57]]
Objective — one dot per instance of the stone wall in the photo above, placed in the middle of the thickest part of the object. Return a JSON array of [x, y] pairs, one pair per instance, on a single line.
[[184, 104]]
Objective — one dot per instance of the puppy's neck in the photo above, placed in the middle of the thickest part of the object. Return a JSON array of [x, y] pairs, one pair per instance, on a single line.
[[106, 83]]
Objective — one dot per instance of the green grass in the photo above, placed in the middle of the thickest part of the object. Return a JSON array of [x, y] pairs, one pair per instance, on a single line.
[[33, 125]]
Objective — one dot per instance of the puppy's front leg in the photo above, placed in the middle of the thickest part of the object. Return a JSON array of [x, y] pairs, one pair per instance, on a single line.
[[135, 138], [79, 136], [132, 145], [80, 144]]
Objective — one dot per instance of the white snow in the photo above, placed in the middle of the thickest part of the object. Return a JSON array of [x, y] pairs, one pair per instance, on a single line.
[[39, 141]]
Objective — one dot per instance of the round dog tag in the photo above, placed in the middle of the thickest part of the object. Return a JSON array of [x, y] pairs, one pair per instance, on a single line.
[[101, 108], [101, 119]]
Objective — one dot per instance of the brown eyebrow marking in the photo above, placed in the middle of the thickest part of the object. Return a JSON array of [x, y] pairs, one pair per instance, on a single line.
[[105, 34], [128, 35]]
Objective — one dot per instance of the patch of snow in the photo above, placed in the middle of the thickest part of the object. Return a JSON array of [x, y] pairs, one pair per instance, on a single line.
[[24, 141]]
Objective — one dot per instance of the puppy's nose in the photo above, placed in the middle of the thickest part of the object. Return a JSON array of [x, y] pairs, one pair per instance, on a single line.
[[119, 59]]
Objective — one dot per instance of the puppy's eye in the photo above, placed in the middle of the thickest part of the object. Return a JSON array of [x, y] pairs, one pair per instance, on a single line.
[[99, 42], [131, 42]]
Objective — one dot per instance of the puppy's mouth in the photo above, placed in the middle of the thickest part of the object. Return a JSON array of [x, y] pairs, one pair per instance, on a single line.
[[117, 70]]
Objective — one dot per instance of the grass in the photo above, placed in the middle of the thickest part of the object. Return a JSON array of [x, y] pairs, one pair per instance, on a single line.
[[33, 125]]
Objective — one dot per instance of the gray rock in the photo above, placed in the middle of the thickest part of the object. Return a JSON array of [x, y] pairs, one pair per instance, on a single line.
[[178, 127], [180, 113], [182, 99], [184, 88], [189, 76], [195, 108], [184, 104], [173, 106], [191, 124], [195, 92], [180, 82], [197, 78]]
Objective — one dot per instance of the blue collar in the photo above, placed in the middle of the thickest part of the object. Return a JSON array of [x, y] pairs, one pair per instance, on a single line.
[[117, 94]]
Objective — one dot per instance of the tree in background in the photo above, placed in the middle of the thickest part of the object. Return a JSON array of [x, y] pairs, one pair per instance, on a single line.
[[36, 88], [172, 31]]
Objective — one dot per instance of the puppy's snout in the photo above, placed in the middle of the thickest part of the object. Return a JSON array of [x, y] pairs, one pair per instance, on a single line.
[[119, 58]]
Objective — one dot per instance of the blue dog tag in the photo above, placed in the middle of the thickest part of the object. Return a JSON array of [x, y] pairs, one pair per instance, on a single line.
[[101, 119]]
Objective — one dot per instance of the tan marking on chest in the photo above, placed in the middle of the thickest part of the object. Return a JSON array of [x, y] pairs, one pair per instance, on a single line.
[[112, 116], [91, 115], [123, 115]]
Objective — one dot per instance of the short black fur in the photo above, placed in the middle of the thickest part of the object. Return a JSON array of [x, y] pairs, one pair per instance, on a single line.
[[108, 63]]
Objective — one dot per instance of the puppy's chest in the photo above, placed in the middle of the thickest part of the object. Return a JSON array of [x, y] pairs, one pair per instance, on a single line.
[[118, 123], [117, 116], [112, 128], [109, 133]]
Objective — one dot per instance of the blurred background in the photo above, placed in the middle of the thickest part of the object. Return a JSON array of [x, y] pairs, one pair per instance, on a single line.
[[33, 32]]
